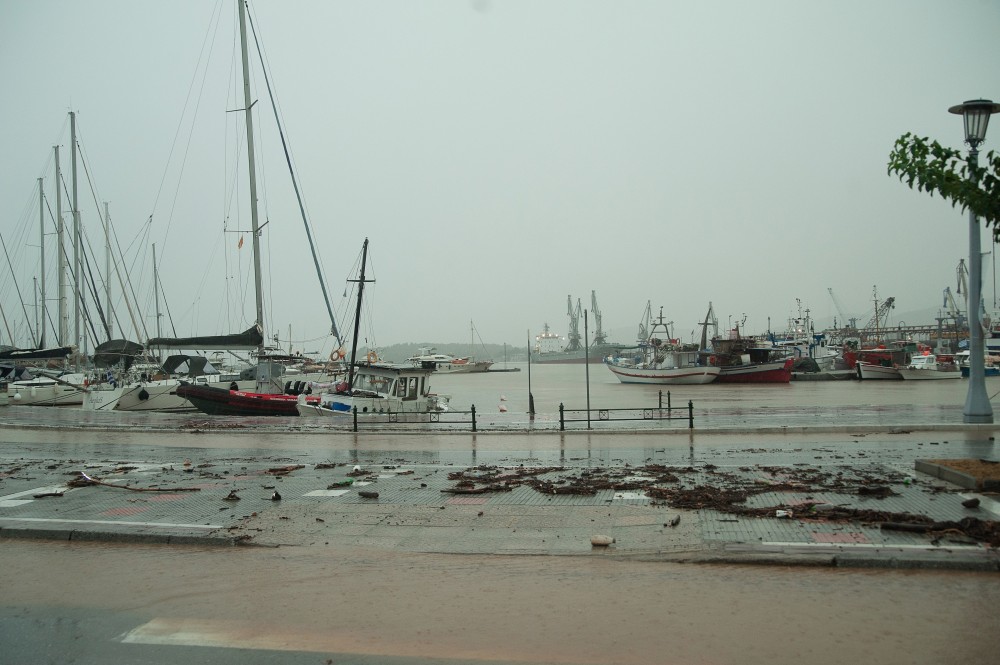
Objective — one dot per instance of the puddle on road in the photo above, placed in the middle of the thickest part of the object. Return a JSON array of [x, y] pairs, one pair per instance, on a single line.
[[553, 609]]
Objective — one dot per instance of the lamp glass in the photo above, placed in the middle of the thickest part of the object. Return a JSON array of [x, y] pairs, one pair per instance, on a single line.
[[976, 122]]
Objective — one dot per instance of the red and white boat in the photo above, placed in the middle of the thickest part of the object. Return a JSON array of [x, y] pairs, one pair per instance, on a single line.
[[744, 360], [879, 362], [773, 371]]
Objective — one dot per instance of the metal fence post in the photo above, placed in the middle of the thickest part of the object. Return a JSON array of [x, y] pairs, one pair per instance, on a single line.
[[690, 414], [355, 411], [562, 421], [473, 417]]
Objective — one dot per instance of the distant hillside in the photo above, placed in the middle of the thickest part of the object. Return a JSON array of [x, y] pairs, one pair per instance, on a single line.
[[494, 352]]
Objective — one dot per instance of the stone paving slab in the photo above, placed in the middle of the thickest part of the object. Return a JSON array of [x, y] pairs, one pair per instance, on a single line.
[[412, 513]]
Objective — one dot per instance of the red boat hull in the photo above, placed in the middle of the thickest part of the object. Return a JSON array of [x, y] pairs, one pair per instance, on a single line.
[[224, 402], [770, 372]]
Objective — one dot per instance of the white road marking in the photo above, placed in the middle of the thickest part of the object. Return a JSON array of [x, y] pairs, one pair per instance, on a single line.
[[326, 493], [112, 522], [14, 500]]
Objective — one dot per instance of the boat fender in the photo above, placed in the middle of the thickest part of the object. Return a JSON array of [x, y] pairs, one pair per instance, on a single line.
[[143, 395]]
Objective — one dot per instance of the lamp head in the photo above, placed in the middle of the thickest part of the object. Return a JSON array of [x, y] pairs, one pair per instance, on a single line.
[[976, 113]]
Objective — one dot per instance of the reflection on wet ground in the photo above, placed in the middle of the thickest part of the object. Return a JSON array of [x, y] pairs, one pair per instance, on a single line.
[[560, 610]]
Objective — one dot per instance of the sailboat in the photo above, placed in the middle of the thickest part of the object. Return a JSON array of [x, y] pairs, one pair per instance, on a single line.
[[268, 397]]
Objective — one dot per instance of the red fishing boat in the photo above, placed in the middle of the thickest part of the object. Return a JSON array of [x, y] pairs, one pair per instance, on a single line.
[[745, 360]]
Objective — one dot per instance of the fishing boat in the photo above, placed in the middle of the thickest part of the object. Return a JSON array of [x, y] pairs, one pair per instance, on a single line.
[[746, 360], [928, 366], [371, 386], [883, 362], [378, 388], [661, 359], [991, 368]]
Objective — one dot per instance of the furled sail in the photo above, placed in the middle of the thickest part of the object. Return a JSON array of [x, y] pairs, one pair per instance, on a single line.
[[251, 338], [36, 354], [115, 351]]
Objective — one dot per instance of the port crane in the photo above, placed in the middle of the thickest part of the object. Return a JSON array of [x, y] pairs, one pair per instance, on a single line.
[[844, 320], [573, 336], [599, 336]]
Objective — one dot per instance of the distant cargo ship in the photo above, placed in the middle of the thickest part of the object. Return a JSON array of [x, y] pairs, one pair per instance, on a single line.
[[594, 354], [552, 348]]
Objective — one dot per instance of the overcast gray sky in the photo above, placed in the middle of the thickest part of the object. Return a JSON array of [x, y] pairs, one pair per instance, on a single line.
[[501, 155]]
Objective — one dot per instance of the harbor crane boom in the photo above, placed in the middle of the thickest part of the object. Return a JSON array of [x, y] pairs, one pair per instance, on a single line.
[[873, 329], [844, 321], [573, 336], [599, 336]]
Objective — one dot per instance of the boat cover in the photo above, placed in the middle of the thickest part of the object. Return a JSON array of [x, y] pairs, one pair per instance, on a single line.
[[251, 338]]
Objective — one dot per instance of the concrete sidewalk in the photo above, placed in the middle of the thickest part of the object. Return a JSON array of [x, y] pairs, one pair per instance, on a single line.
[[321, 502]]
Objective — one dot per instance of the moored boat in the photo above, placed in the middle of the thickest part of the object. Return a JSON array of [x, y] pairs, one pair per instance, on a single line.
[[928, 366], [447, 364], [63, 390], [745, 360], [378, 388], [661, 359], [227, 402], [870, 370]]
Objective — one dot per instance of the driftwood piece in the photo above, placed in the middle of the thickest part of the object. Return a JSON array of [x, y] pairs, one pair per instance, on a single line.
[[284, 470]]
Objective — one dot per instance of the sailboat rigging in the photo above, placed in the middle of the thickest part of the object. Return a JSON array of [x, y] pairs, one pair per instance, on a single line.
[[267, 398]]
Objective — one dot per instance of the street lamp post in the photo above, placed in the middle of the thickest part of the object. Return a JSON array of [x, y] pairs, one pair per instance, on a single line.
[[977, 409]]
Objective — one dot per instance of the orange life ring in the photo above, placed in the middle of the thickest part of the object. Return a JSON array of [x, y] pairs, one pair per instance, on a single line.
[[372, 357]]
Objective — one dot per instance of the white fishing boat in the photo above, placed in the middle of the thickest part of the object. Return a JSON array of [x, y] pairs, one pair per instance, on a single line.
[[379, 388], [871, 370], [927, 366], [661, 359]]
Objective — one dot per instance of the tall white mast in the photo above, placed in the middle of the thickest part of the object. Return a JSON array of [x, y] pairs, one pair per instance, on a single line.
[[41, 248], [77, 243], [156, 293], [253, 174], [61, 257], [107, 272]]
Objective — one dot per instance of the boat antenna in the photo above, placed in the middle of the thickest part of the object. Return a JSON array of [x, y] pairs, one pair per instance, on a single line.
[[295, 185], [357, 316]]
